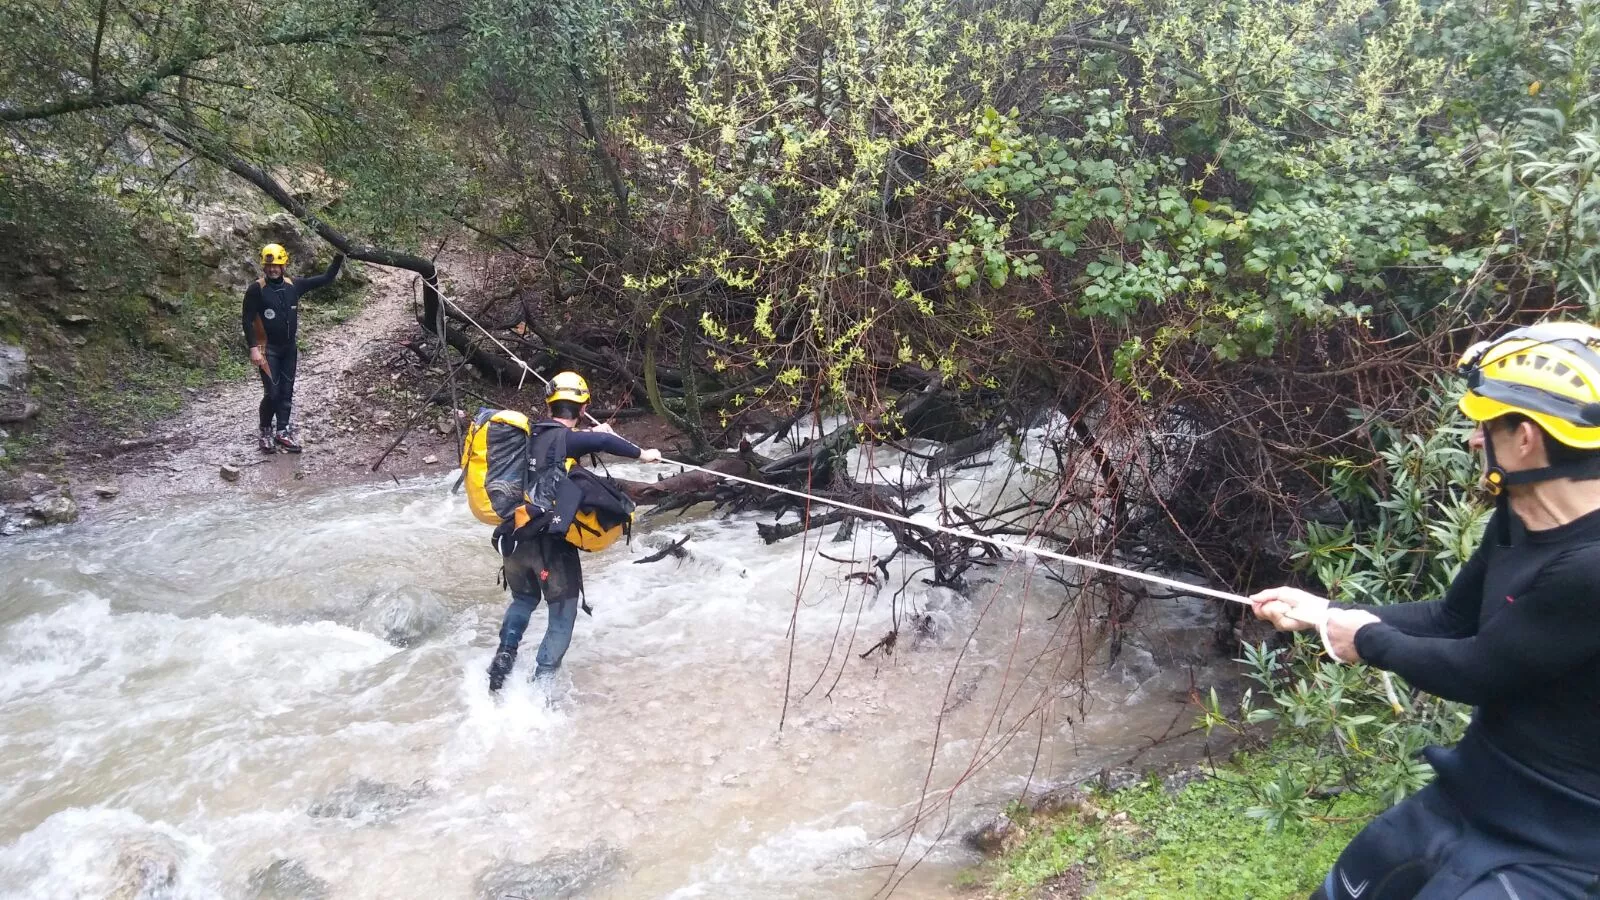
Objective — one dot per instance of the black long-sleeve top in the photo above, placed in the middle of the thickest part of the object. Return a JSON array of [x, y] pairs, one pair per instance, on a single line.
[[1517, 635], [272, 306]]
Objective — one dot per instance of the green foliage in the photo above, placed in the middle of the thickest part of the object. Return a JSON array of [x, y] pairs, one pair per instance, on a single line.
[[1200, 842], [1414, 528]]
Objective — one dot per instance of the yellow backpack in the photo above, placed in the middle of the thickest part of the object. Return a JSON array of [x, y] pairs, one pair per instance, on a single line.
[[494, 465]]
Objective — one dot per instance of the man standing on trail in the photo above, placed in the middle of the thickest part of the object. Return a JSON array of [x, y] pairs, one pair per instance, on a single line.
[[271, 319], [539, 560], [1514, 809]]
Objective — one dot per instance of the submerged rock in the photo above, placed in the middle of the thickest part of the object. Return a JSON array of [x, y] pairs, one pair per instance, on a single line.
[[559, 876], [368, 799], [285, 879], [404, 616], [147, 868]]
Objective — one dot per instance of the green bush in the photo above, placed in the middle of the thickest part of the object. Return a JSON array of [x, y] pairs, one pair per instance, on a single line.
[[1415, 524]]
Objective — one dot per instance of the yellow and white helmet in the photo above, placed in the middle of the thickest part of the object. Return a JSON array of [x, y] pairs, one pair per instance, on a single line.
[[1549, 373], [568, 386]]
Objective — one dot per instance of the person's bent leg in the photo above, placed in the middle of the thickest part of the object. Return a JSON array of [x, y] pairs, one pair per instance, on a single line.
[[520, 569], [557, 636], [1396, 854], [563, 586], [1535, 883]]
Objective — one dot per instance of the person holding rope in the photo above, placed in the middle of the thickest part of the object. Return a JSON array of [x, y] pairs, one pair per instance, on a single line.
[[1514, 809], [271, 321], [540, 561]]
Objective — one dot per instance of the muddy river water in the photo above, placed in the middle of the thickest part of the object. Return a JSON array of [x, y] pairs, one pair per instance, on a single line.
[[283, 695]]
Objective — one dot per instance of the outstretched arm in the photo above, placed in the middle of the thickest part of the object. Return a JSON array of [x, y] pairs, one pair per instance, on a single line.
[[325, 279], [582, 443], [1541, 635]]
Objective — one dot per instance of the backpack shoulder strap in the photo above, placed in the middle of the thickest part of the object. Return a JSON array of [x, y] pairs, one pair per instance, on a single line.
[[546, 440], [261, 283]]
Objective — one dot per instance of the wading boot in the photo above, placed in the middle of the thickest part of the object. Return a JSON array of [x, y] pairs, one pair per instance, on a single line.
[[504, 659], [287, 442]]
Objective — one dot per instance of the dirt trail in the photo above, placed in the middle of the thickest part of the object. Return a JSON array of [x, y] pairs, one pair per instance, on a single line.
[[352, 395]]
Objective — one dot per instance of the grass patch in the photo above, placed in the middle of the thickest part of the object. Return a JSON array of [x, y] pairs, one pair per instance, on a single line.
[[1201, 842]]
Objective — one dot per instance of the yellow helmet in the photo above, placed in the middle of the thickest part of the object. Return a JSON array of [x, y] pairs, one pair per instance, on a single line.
[[568, 386], [1549, 373], [274, 255]]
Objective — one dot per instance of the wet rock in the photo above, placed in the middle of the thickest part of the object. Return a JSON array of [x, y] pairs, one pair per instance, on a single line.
[[1181, 778], [285, 879], [368, 799], [78, 320], [995, 836], [146, 868], [229, 472], [26, 486], [559, 876], [1063, 800], [1113, 780], [59, 510], [404, 617], [430, 459], [107, 491]]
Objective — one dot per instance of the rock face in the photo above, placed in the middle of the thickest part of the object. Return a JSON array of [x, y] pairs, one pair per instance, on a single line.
[[14, 368], [364, 798], [285, 879], [559, 876], [14, 374], [404, 617]]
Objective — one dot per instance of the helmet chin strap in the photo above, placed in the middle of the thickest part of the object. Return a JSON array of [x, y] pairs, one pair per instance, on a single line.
[[1499, 480]]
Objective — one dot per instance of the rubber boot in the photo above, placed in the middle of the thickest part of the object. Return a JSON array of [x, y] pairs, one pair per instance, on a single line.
[[504, 659]]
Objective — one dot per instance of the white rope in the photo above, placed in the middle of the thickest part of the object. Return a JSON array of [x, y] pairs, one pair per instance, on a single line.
[[1321, 621]]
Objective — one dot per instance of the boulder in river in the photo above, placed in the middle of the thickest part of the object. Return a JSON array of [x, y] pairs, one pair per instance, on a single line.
[[403, 616], [368, 799], [58, 510], [146, 867], [285, 879], [559, 876]]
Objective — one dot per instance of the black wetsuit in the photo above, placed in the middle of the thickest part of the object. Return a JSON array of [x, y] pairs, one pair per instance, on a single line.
[[547, 566], [1515, 808], [272, 317]]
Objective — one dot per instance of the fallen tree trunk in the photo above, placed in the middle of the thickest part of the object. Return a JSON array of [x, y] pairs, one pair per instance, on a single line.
[[432, 317]]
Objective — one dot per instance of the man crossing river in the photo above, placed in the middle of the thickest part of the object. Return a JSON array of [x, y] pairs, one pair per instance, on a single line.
[[1514, 810]]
